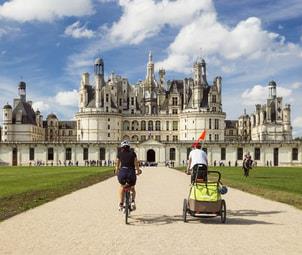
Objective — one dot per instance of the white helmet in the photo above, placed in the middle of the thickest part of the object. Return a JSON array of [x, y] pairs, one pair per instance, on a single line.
[[125, 143]]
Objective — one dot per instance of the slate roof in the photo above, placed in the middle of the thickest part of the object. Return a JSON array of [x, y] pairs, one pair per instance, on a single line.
[[28, 114]]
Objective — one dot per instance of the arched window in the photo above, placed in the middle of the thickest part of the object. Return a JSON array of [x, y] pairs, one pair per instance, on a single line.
[[157, 125], [150, 125], [134, 125], [172, 153], [143, 125], [126, 125]]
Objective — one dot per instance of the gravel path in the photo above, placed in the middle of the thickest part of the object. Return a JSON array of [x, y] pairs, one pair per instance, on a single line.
[[88, 222]]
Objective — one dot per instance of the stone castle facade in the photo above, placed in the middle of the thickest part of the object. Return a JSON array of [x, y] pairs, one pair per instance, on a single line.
[[163, 113]]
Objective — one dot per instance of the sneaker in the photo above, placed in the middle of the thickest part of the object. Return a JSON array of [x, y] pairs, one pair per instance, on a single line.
[[121, 207], [133, 206]]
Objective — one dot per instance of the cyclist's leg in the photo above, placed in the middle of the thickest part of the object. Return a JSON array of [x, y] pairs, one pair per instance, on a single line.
[[133, 191], [122, 180]]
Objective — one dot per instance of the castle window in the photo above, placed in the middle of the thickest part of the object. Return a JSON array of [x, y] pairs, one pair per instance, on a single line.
[[174, 111], [216, 137], [174, 101], [175, 125], [214, 99], [231, 132], [108, 119], [143, 138], [150, 125], [210, 123], [5, 114], [120, 102], [132, 111], [107, 109], [153, 110], [214, 109], [108, 135], [216, 123], [172, 153], [85, 153], [132, 100], [79, 124], [257, 153], [175, 138], [50, 154], [167, 125], [68, 154], [143, 125], [157, 125], [107, 98], [70, 132], [210, 137], [102, 153], [239, 153], [167, 138], [31, 153], [126, 125], [157, 137], [108, 126], [295, 154], [222, 154]]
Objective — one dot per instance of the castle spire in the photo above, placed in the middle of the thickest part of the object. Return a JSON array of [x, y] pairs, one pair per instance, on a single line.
[[150, 56]]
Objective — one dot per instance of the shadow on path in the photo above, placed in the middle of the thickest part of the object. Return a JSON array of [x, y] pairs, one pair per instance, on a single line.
[[154, 219], [251, 212]]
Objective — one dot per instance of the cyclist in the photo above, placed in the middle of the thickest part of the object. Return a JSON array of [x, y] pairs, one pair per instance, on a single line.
[[197, 157], [126, 169]]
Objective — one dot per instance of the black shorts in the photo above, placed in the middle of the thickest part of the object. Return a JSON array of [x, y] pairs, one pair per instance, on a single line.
[[199, 173], [127, 175]]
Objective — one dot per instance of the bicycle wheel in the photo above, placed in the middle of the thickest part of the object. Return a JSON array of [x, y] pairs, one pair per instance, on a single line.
[[127, 206], [223, 211]]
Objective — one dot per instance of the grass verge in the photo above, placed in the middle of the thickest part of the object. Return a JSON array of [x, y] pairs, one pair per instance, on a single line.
[[282, 184], [23, 188]]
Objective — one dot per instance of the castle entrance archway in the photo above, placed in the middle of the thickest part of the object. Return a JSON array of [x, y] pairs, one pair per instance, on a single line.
[[151, 155]]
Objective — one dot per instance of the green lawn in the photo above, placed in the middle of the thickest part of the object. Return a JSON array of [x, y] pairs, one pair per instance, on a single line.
[[22, 188], [283, 184]]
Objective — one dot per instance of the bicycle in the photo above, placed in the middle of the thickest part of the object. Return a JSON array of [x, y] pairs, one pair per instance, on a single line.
[[127, 201], [128, 198]]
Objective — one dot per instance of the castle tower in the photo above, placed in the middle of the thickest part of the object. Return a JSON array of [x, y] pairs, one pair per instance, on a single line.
[[162, 80], [7, 121], [272, 90], [99, 80], [83, 90], [22, 91]]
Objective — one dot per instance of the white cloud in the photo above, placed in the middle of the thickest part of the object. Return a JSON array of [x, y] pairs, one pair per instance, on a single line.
[[246, 42], [296, 85], [41, 106], [46, 10], [67, 98], [297, 123], [258, 94], [75, 30], [142, 19]]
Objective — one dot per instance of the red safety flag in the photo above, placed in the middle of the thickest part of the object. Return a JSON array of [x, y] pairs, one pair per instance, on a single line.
[[202, 136]]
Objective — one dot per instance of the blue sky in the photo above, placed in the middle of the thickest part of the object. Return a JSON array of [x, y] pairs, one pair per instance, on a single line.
[[50, 43]]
